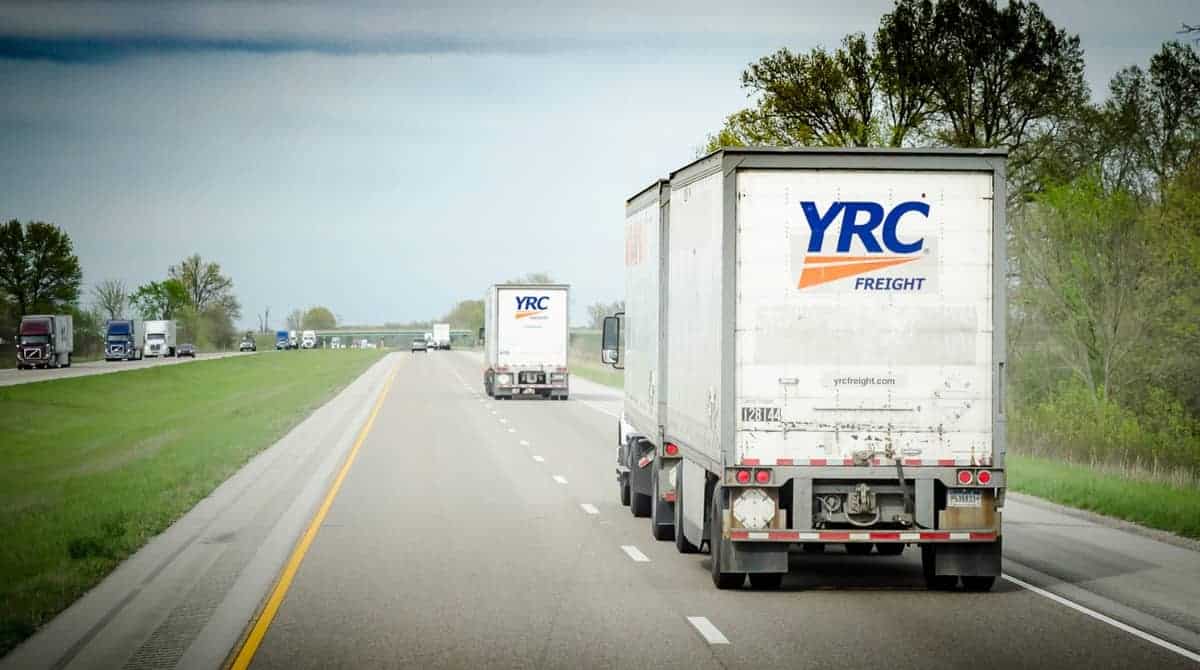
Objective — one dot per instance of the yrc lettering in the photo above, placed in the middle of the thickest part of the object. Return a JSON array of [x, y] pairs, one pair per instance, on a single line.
[[885, 238]]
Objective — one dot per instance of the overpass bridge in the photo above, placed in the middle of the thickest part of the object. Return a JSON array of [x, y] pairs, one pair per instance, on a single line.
[[391, 337]]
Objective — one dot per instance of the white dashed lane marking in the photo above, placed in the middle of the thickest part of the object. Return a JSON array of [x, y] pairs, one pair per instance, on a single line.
[[708, 630], [589, 508], [560, 479], [539, 459], [635, 553]]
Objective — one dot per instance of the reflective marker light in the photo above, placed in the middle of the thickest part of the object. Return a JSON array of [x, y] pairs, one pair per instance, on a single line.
[[964, 477], [983, 477], [743, 476], [762, 476], [671, 449]]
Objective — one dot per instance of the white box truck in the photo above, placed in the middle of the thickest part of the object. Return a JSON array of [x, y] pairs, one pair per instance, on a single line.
[[308, 339], [45, 340], [160, 338], [646, 464], [526, 334], [835, 320], [441, 336]]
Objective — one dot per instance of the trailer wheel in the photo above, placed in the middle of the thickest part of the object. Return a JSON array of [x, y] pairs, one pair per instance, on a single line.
[[68, 361], [623, 483], [721, 580], [890, 548], [934, 581], [813, 547], [639, 504], [858, 548], [766, 581], [978, 583], [681, 542]]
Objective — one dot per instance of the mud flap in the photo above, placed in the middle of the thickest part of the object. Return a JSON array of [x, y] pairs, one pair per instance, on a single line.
[[976, 559], [640, 469], [751, 557]]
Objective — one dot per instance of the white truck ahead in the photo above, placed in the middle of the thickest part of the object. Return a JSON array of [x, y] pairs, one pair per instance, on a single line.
[[308, 339], [526, 340], [45, 340], [835, 329], [441, 336], [160, 338]]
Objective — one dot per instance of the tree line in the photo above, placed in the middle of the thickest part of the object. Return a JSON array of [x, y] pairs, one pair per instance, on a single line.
[[1103, 208]]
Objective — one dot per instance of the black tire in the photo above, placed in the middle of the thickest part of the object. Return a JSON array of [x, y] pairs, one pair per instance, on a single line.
[[658, 529], [640, 504], [858, 548], [978, 583], [68, 361], [935, 582], [623, 484], [681, 542], [890, 548], [813, 547], [766, 581], [721, 580]]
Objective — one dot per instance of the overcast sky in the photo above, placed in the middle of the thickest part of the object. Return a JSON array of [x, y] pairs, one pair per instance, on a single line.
[[389, 159]]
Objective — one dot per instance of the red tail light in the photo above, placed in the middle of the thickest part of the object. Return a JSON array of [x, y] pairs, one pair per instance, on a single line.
[[743, 476], [671, 449], [983, 477], [762, 476], [965, 477]]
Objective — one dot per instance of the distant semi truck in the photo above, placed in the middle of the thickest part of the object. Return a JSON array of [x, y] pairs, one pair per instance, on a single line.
[[526, 334], [441, 336], [281, 339], [833, 323], [160, 338], [293, 340], [124, 339], [45, 341], [308, 340]]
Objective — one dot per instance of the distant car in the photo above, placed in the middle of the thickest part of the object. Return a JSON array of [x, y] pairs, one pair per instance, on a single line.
[[186, 349], [420, 345], [247, 345]]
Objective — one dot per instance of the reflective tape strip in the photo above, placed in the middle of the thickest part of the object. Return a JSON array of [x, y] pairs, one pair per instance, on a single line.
[[749, 461], [910, 536], [960, 536], [859, 537]]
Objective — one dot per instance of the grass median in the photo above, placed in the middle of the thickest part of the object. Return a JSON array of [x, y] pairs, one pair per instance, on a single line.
[[1175, 509], [92, 467]]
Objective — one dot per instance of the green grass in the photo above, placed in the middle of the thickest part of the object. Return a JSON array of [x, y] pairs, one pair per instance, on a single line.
[[92, 467], [1171, 508], [597, 372]]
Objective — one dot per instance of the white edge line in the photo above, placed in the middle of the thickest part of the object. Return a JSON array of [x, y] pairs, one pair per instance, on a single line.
[[635, 553], [560, 479], [524, 443], [539, 459], [708, 630], [589, 508], [1106, 619], [512, 430]]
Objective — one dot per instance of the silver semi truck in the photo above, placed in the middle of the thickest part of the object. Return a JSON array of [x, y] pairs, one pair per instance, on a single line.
[[526, 334], [45, 341], [836, 348]]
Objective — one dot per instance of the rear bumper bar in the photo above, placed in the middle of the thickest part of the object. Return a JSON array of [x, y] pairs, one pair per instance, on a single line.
[[842, 536]]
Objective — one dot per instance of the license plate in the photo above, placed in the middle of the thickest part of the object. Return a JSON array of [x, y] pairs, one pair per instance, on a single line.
[[964, 499]]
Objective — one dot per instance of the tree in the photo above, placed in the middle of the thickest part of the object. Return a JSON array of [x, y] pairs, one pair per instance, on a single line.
[[160, 300], [295, 319], [533, 278], [597, 311], [110, 297], [904, 69], [318, 318], [39, 270], [467, 315], [205, 285]]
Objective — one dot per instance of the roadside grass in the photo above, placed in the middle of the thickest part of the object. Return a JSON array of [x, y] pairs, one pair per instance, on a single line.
[[93, 467], [595, 371], [1155, 504]]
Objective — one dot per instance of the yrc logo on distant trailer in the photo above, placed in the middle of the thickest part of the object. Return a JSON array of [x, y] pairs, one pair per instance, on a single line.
[[871, 247], [532, 307]]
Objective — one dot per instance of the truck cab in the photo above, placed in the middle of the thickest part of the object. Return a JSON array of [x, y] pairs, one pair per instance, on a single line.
[[308, 340], [123, 340], [281, 339], [44, 341]]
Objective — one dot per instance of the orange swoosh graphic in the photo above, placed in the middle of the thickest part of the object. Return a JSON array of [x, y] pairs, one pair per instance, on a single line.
[[830, 268], [522, 315]]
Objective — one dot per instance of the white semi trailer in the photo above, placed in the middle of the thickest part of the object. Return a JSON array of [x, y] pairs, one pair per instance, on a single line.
[[646, 464], [441, 336], [526, 335], [160, 338], [836, 348]]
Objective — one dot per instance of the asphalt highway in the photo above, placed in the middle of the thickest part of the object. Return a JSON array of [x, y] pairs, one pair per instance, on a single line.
[[477, 533], [412, 522], [13, 376]]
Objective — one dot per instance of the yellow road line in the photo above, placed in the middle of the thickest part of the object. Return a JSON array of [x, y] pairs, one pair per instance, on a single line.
[[250, 645]]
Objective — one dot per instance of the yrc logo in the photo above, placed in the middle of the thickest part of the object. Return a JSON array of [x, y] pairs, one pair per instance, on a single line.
[[530, 305], [865, 239]]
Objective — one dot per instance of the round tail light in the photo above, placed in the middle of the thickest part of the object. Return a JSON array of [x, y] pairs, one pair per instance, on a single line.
[[983, 477], [762, 476], [743, 476], [965, 477], [671, 449]]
